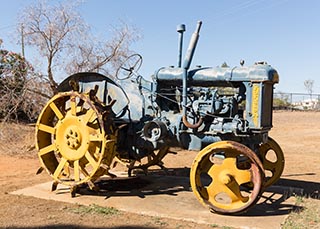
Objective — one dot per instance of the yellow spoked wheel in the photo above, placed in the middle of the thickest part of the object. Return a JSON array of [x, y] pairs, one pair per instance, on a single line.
[[220, 173], [273, 161], [71, 141], [155, 158]]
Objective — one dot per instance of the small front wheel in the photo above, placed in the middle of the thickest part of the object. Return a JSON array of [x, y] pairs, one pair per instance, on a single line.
[[220, 175], [273, 161]]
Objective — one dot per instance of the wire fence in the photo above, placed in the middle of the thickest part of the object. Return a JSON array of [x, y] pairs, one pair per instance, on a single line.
[[296, 101]]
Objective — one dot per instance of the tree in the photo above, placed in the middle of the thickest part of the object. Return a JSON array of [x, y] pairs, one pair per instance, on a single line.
[[308, 84], [64, 40], [13, 71], [16, 77], [281, 100], [103, 56], [224, 65]]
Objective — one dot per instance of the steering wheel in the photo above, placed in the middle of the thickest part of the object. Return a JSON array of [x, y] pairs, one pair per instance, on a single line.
[[129, 67]]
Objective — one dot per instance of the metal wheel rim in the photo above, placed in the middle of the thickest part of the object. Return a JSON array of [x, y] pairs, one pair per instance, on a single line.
[[153, 159], [227, 178], [78, 163], [275, 167]]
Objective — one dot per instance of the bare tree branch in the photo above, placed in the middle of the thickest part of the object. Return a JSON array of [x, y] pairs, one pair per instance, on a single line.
[[16, 78]]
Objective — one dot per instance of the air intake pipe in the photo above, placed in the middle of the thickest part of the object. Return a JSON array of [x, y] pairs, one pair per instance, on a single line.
[[186, 66]]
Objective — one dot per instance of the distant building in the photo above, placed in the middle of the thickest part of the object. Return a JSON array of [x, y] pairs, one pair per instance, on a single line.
[[307, 104]]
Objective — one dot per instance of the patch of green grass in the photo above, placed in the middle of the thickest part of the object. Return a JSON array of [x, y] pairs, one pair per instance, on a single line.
[[308, 216], [158, 221], [299, 200], [94, 209]]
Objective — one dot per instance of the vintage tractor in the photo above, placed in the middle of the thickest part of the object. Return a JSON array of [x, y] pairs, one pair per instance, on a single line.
[[224, 113]]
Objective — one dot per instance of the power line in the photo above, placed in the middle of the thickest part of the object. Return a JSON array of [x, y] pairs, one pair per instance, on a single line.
[[244, 9], [8, 27]]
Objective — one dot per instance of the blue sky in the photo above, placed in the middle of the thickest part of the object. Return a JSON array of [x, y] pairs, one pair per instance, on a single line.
[[284, 33]]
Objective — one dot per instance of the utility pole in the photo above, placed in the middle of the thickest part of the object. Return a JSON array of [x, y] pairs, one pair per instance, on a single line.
[[22, 40]]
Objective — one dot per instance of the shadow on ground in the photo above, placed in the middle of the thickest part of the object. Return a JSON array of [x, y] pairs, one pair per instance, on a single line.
[[281, 191], [272, 202], [310, 189]]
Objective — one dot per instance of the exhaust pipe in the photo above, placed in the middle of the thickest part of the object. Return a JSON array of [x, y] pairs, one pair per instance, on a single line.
[[192, 46], [186, 66]]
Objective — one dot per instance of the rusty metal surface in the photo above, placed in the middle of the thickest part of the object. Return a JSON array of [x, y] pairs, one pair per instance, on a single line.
[[233, 177]]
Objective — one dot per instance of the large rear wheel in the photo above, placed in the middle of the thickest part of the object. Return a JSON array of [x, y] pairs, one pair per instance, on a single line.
[[71, 141]]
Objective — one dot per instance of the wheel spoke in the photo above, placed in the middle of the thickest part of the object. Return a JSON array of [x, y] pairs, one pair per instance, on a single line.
[[76, 170], [242, 176], [268, 165], [66, 169], [60, 167], [213, 189], [56, 110], [211, 170], [91, 159], [46, 128], [162, 152], [84, 171], [80, 104], [230, 162], [88, 116], [73, 105], [46, 150], [149, 159], [234, 193]]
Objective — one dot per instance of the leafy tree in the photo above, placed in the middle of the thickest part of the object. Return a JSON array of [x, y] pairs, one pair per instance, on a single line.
[[65, 41]]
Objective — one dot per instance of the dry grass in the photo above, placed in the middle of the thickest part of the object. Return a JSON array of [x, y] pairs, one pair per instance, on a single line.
[[308, 217], [17, 139]]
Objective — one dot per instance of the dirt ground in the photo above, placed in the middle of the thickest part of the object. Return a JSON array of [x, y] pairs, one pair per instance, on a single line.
[[298, 133]]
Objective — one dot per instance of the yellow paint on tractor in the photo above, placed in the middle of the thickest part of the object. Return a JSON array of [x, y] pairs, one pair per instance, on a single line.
[[255, 104], [220, 172], [71, 140]]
